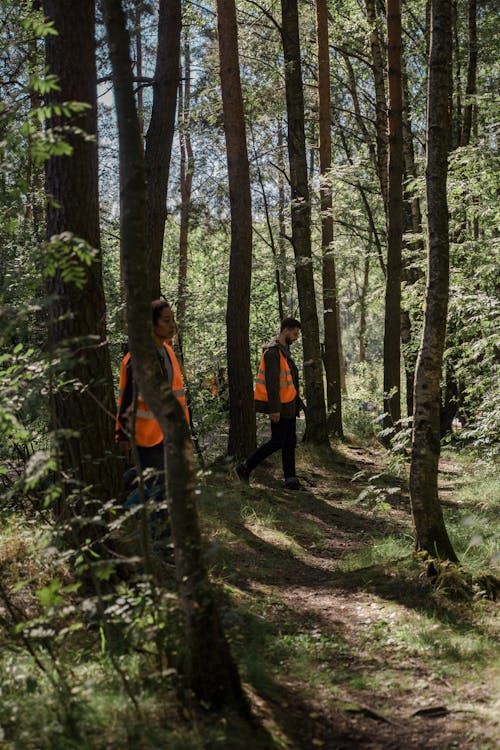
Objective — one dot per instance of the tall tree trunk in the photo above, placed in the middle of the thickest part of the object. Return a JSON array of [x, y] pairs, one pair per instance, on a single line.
[[363, 303], [282, 243], [455, 92], [470, 90], [330, 300], [160, 133], [271, 242], [140, 113], [211, 672], [380, 99], [392, 341], [186, 179], [453, 392], [241, 404], [413, 250], [373, 155], [301, 225], [431, 534], [78, 315], [138, 65]]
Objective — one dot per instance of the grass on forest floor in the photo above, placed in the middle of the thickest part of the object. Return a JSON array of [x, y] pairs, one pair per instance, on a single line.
[[325, 605], [419, 635]]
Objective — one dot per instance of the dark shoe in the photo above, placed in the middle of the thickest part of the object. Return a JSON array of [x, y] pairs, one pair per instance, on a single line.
[[243, 473], [292, 483]]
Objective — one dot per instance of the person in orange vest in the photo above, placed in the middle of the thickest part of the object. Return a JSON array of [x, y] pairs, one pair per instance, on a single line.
[[277, 394], [148, 434]]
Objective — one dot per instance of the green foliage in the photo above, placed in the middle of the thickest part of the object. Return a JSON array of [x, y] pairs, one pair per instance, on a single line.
[[69, 256], [362, 409], [473, 527]]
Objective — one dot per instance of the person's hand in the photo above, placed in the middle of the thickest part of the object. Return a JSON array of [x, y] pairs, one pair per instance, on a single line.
[[275, 416]]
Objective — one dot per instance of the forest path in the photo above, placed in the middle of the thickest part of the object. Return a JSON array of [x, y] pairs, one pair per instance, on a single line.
[[356, 646]]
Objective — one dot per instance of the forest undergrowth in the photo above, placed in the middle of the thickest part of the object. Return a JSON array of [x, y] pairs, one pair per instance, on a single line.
[[341, 639]]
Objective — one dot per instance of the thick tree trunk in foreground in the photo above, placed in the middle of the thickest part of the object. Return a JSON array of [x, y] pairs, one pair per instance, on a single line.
[[392, 327], [78, 315], [330, 301], [431, 534], [161, 133], [211, 672], [301, 225], [240, 377]]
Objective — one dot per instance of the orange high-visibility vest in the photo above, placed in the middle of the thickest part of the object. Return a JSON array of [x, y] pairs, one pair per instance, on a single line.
[[287, 389], [147, 429]]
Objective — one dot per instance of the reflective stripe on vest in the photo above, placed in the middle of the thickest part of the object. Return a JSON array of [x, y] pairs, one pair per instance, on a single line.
[[287, 388]]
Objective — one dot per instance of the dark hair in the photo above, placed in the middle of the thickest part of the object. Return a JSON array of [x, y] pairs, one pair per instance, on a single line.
[[156, 307], [289, 323]]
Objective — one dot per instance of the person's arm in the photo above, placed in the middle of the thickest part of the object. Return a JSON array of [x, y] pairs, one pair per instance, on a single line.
[[272, 361]]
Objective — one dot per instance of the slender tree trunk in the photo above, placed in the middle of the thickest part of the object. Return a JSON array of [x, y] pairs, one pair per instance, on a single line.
[[455, 93], [138, 64], [186, 179], [362, 303], [380, 99], [470, 90], [364, 132], [140, 113], [271, 243], [411, 172], [282, 244], [392, 341], [461, 130], [431, 534], [160, 133], [241, 404], [330, 300], [414, 249], [301, 225], [78, 314], [211, 672]]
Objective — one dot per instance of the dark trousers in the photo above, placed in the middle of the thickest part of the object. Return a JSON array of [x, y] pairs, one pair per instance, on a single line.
[[284, 438], [152, 458]]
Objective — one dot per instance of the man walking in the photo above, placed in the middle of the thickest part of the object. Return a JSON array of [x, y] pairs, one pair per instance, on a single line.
[[277, 394]]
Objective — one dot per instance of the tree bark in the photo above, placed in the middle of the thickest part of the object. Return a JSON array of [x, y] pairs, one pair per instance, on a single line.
[[282, 243], [373, 156], [431, 534], [363, 302], [77, 321], [470, 90], [412, 250], [186, 179], [392, 327], [380, 99], [271, 243], [455, 92], [301, 225], [160, 134], [330, 301], [242, 435], [211, 672]]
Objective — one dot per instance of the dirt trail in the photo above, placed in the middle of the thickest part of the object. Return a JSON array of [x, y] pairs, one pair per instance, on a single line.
[[306, 592]]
